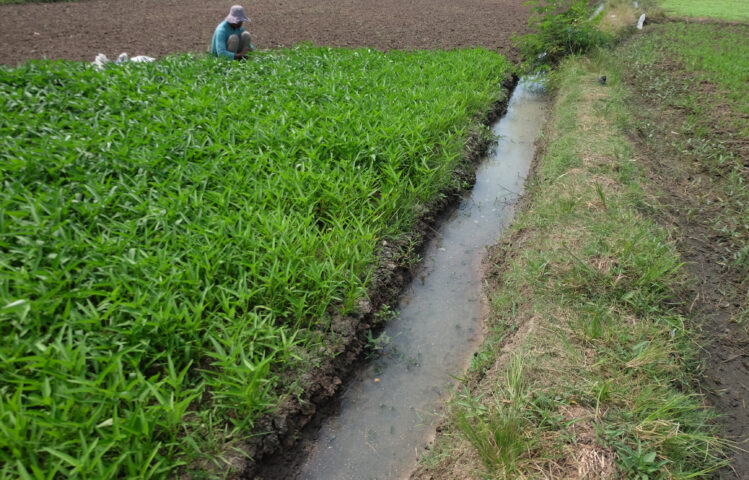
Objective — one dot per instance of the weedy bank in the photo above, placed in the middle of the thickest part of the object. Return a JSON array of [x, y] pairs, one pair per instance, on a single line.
[[698, 73], [174, 236], [632, 246]]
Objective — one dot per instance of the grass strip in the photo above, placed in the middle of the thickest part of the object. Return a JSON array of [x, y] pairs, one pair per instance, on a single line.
[[174, 235]]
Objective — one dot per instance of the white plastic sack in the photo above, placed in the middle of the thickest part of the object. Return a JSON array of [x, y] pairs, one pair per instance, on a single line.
[[138, 59], [102, 60]]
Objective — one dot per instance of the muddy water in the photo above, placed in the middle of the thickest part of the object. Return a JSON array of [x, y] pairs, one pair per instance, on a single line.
[[387, 413]]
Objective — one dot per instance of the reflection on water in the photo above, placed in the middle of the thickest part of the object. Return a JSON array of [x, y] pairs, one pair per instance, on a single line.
[[387, 411]]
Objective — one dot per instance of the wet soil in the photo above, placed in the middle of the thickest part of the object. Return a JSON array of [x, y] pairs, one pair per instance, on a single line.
[[690, 192], [79, 31]]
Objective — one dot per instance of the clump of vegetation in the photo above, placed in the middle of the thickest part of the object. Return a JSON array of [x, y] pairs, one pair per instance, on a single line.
[[171, 234], [494, 424], [559, 28]]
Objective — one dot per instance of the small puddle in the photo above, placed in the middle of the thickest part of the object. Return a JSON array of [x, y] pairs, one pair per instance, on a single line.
[[387, 412]]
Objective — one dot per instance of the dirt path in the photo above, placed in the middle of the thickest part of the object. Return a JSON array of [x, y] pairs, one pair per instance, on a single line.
[[78, 31]]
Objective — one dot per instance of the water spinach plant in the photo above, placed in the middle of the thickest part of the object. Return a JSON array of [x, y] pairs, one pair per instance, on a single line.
[[172, 235]]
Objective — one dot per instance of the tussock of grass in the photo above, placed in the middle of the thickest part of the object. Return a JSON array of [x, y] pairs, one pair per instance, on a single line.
[[172, 233], [607, 389], [494, 426]]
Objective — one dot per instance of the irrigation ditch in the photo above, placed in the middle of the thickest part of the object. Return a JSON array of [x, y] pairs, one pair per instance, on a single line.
[[373, 406]]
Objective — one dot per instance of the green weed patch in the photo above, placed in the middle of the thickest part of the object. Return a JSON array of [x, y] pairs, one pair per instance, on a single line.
[[699, 73], [706, 64], [171, 234]]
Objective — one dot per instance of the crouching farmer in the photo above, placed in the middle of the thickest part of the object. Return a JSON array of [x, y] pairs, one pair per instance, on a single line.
[[230, 40]]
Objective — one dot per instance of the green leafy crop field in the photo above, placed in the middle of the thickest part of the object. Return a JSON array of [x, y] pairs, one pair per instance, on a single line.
[[172, 233], [720, 9]]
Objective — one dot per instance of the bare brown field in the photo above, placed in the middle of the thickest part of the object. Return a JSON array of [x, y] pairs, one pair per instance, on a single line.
[[79, 31]]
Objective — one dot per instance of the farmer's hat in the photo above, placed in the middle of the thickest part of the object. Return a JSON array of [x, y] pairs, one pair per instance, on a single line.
[[236, 15]]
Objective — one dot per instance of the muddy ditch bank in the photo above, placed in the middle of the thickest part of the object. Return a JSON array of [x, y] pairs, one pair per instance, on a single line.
[[280, 439]]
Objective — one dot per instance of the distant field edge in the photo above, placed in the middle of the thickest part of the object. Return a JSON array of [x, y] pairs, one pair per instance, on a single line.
[[730, 10]]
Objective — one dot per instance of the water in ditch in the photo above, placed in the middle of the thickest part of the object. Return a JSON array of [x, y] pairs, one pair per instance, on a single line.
[[387, 412]]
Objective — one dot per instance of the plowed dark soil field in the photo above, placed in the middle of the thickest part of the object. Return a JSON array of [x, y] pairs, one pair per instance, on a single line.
[[79, 31]]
